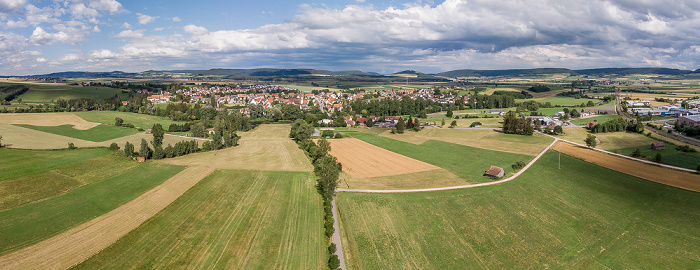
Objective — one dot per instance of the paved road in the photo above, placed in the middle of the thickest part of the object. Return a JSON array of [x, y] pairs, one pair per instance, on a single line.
[[336, 238], [457, 187]]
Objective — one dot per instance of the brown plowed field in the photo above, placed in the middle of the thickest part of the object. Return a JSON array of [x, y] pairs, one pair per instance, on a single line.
[[363, 160], [76, 245], [645, 171]]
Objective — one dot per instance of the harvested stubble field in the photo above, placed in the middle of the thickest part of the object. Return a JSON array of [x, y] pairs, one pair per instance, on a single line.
[[582, 216], [484, 139], [426, 179], [266, 148], [657, 174], [233, 219], [363, 160]]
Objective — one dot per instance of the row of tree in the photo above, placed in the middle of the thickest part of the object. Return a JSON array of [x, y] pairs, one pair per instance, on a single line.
[[514, 124], [618, 124]]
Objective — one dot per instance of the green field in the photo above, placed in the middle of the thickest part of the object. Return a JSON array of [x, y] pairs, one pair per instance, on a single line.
[[469, 163], [562, 101], [600, 118], [582, 216], [51, 92], [139, 120], [31, 223], [669, 155], [16, 163], [232, 219], [34, 187], [99, 133]]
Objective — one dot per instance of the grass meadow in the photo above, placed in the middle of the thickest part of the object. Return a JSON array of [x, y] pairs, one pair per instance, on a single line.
[[232, 219], [601, 119], [669, 155], [139, 120], [31, 223], [469, 163], [15, 163], [50, 92], [99, 133], [582, 216], [38, 186]]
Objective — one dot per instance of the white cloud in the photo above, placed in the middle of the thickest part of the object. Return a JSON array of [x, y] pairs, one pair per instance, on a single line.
[[126, 25], [158, 29], [175, 19], [145, 19], [110, 6], [130, 34], [11, 5], [102, 54], [195, 30], [41, 60], [82, 11], [96, 29], [41, 37]]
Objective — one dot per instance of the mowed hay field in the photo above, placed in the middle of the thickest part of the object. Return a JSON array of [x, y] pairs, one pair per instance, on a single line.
[[582, 216], [232, 219], [265, 148], [139, 120], [479, 138], [657, 174], [363, 160]]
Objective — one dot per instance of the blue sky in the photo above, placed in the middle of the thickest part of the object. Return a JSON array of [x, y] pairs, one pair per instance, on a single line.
[[45, 36]]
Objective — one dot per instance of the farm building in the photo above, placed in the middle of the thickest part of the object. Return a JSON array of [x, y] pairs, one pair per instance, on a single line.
[[658, 146], [494, 172]]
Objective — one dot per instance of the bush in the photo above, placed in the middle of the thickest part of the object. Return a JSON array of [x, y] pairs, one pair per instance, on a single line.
[[71, 146], [114, 147], [637, 152], [332, 248], [334, 262], [328, 225], [327, 133], [338, 135], [658, 158], [118, 121], [519, 165], [686, 149], [474, 124]]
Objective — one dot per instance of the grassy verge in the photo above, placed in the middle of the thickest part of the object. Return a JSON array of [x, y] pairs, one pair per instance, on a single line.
[[582, 216], [467, 162], [28, 224], [97, 134], [231, 219], [601, 119], [15, 163]]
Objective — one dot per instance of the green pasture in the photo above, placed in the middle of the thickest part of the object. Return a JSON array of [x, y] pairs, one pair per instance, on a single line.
[[52, 92], [579, 216], [669, 155], [139, 120], [15, 163], [600, 118]]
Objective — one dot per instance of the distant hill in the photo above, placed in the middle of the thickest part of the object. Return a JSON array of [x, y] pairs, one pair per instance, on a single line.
[[85, 74], [266, 72], [546, 71]]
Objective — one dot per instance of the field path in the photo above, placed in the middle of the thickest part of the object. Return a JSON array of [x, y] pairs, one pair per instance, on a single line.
[[80, 243], [458, 187]]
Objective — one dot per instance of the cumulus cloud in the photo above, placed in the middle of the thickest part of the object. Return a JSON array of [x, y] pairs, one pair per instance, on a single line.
[[195, 30], [7, 6], [130, 34], [126, 25], [41, 37], [145, 19], [175, 19]]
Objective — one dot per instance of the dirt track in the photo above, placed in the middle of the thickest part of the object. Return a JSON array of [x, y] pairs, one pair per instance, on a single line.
[[78, 244], [363, 160], [657, 174]]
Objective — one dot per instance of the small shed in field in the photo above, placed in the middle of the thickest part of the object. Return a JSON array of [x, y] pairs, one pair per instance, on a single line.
[[658, 146], [494, 172]]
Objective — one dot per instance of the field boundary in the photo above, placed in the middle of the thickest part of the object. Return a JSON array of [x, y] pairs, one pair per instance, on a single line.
[[457, 187], [74, 246]]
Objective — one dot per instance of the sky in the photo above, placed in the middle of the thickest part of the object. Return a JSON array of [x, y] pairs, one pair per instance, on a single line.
[[385, 36]]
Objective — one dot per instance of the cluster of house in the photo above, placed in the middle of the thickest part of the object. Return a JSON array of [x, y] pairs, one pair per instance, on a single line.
[[358, 120]]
